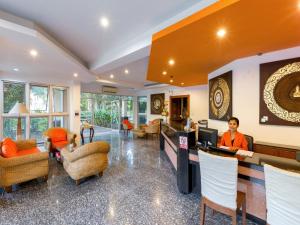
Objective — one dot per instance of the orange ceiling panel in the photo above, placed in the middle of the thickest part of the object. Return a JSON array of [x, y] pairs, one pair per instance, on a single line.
[[252, 27]]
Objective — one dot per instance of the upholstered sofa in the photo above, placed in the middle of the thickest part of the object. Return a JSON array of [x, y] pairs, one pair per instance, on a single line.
[[87, 160], [57, 137], [27, 162]]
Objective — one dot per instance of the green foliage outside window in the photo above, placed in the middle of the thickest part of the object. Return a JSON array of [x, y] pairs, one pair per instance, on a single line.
[[13, 92]]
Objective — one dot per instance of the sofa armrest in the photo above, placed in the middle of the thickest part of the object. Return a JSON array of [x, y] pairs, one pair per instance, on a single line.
[[85, 150], [20, 160], [26, 144]]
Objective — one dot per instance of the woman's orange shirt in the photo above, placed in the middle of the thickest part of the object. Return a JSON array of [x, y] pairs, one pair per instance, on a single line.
[[239, 140]]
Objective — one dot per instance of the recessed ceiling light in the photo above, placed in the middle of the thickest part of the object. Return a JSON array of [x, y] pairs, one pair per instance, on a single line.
[[164, 73], [171, 62], [126, 71], [16, 69], [171, 81], [299, 5], [182, 83], [75, 74], [104, 22], [221, 33], [33, 52], [111, 76]]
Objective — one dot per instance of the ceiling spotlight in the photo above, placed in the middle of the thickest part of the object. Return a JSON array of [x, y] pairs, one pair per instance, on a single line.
[[75, 74], [111, 76], [33, 52], [171, 81], [164, 73], [16, 69], [182, 83], [171, 62], [126, 71], [221, 33], [104, 22]]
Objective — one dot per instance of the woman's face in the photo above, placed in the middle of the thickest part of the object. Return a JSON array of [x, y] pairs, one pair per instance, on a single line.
[[232, 125]]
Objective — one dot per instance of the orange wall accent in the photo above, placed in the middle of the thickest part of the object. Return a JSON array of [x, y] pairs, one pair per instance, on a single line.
[[253, 26]]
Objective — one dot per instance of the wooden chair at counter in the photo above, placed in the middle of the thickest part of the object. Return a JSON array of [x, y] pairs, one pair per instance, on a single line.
[[219, 177], [282, 195]]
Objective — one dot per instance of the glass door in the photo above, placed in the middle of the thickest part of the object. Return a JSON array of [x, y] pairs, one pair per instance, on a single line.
[[115, 114]]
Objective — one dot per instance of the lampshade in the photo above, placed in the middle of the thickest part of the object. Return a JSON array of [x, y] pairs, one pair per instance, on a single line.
[[19, 108]]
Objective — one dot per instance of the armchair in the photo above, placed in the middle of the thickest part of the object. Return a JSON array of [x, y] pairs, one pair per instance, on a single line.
[[25, 162], [57, 137], [86, 160], [153, 128]]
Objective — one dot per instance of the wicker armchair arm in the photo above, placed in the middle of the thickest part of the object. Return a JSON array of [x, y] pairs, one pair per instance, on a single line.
[[85, 150], [20, 160]]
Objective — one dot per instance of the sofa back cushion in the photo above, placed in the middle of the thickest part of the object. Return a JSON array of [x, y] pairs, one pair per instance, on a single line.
[[9, 148], [57, 134]]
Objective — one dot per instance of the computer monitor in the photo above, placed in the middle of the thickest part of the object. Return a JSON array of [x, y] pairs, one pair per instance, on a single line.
[[207, 137]]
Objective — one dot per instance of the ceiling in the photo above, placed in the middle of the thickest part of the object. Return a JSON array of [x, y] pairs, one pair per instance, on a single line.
[[75, 25], [52, 62], [253, 27]]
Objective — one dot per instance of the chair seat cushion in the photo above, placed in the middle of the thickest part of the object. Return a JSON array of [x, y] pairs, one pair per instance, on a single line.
[[60, 144], [9, 148], [28, 151]]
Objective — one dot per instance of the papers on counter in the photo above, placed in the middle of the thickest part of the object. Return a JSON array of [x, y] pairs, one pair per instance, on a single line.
[[244, 153]]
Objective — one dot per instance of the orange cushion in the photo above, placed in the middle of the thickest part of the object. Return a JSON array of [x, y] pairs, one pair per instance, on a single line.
[[57, 134], [60, 144], [9, 148], [129, 125], [28, 151]]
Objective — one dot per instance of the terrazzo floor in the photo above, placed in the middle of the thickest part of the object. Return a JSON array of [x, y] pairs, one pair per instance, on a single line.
[[139, 187]]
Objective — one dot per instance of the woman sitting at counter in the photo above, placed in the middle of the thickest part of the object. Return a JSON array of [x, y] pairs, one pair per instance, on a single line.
[[232, 138]]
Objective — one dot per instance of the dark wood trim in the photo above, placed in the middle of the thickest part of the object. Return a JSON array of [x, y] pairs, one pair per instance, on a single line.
[[275, 151]]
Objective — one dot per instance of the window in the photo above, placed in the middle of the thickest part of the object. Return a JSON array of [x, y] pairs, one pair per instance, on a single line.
[[59, 99], [37, 126], [10, 127], [39, 99], [142, 110], [12, 93], [60, 121], [47, 105]]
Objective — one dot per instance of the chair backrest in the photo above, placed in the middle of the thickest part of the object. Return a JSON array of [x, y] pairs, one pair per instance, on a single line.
[[219, 179], [283, 196], [250, 142]]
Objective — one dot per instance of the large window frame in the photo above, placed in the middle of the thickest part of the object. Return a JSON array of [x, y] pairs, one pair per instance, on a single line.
[[51, 114], [141, 114]]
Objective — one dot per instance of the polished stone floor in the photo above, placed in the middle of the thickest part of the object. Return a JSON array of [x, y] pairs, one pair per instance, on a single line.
[[139, 187]]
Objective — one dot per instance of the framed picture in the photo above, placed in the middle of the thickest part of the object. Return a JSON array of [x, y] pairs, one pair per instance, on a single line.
[[280, 93], [157, 103], [220, 97]]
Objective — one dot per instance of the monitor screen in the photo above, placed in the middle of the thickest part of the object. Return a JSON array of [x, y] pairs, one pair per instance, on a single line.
[[207, 137]]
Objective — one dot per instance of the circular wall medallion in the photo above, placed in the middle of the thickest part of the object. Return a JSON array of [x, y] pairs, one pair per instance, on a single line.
[[219, 98], [269, 89]]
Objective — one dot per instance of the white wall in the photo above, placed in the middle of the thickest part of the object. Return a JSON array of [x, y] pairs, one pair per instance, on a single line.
[[245, 99], [198, 99]]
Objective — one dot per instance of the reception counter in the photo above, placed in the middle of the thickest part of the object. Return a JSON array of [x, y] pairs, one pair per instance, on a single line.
[[180, 148]]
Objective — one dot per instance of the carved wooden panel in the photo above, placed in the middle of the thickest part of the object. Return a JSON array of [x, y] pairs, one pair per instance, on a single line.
[[280, 93], [220, 97]]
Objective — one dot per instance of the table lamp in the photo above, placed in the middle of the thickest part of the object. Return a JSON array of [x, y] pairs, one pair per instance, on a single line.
[[18, 109]]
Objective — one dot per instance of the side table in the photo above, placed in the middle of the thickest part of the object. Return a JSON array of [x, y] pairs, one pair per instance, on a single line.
[[92, 132]]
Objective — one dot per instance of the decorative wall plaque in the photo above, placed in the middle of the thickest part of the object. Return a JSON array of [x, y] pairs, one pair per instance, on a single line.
[[157, 103], [280, 93], [220, 97]]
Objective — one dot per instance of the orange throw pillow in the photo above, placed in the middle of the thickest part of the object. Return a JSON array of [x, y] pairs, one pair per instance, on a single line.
[[9, 148]]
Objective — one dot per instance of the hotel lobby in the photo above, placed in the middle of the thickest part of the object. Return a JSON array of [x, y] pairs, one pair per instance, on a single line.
[[150, 112]]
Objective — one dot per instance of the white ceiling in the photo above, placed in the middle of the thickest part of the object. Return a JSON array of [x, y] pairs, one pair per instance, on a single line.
[[75, 25]]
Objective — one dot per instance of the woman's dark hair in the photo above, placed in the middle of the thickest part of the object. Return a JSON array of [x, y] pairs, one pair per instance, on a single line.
[[235, 119]]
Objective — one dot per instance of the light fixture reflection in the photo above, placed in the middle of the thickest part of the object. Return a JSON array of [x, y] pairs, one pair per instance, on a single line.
[[221, 33]]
